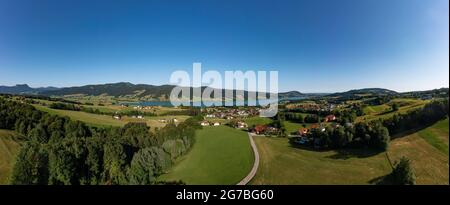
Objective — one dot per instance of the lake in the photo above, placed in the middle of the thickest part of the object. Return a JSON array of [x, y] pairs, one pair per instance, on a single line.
[[206, 103]]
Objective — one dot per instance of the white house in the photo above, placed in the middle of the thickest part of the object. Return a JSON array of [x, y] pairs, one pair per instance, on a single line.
[[216, 124], [241, 125], [204, 123]]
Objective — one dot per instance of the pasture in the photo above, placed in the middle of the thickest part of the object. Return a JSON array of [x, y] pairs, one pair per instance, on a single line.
[[281, 163], [251, 121], [428, 151], [8, 150], [107, 120], [220, 155], [384, 111]]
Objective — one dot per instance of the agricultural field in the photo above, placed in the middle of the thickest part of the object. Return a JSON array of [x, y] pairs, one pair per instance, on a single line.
[[294, 126], [384, 111], [8, 150], [257, 121], [220, 155], [110, 108], [107, 120], [88, 118], [281, 163], [428, 151]]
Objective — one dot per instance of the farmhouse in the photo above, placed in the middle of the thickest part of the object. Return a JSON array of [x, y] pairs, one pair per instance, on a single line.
[[241, 125], [216, 124], [204, 123], [330, 118], [303, 131], [259, 129]]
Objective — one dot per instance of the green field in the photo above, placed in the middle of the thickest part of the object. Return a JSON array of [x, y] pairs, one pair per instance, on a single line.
[[8, 150], [294, 126], [384, 111], [89, 118], [220, 155], [107, 120], [257, 121], [282, 164], [428, 151]]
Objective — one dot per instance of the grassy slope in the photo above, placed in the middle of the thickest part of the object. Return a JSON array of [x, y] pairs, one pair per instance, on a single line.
[[383, 111], [8, 150], [428, 151], [220, 155], [106, 120], [282, 164], [92, 119], [257, 121]]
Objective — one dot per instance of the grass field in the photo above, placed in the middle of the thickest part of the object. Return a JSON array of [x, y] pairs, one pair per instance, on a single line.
[[8, 150], [428, 151], [384, 111], [294, 126], [282, 164], [257, 121], [220, 155], [107, 120], [89, 118]]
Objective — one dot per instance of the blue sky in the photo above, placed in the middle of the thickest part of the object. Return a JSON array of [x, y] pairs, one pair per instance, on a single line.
[[317, 46]]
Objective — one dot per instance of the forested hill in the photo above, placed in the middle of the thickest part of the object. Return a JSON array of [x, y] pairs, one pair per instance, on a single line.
[[115, 89], [364, 91], [138, 90], [24, 89]]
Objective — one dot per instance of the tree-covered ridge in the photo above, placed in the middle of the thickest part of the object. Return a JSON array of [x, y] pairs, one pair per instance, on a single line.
[[58, 150], [374, 134]]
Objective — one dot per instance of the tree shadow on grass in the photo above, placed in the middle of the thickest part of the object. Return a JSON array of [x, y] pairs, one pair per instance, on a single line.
[[381, 180], [308, 147], [346, 153], [354, 153]]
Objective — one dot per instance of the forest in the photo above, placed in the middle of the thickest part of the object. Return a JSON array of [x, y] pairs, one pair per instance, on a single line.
[[57, 150]]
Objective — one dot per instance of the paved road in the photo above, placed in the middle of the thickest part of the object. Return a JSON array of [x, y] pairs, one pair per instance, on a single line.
[[252, 173]]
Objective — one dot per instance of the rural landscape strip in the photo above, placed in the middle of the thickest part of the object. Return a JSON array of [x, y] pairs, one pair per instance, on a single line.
[[252, 173]]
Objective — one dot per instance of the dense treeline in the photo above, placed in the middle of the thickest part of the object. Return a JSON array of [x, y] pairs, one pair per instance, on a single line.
[[376, 134], [64, 106], [419, 118], [370, 135], [58, 150]]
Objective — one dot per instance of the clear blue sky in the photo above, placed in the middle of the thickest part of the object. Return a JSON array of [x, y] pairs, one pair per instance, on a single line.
[[317, 46]]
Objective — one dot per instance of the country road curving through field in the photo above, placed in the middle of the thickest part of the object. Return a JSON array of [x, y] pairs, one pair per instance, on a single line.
[[252, 172]]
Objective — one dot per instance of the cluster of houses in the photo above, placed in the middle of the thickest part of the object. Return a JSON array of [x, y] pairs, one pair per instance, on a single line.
[[264, 130], [231, 113], [175, 120], [237, 125], [206, 123], [139, 107], [119, 117], [313, 106]]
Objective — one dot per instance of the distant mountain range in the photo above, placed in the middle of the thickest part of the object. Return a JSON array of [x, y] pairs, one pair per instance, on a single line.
[[144, 91], [364, 91], [117, 90], [25, 89]]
